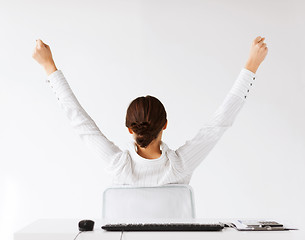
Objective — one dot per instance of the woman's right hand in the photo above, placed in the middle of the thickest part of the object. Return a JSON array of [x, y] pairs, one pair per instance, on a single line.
[[42, 54], [257, 54]]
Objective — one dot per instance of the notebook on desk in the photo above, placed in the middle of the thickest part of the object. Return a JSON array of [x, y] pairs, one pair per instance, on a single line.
[[259, 225]]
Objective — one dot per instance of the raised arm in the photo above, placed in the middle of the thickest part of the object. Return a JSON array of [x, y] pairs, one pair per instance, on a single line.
[[79, 119], [195, 150]]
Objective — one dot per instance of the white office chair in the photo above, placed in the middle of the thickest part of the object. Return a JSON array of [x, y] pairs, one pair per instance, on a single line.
[[173, 201]]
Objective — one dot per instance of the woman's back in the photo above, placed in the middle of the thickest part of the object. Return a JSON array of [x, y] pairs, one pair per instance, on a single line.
[[173, 166]]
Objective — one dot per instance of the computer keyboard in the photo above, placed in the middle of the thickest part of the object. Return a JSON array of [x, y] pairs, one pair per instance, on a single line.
[[163, 227]]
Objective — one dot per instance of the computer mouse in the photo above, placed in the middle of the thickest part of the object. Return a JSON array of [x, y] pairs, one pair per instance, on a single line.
[[86, 225]]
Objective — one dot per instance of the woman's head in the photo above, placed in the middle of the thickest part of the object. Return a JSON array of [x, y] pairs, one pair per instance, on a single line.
[[146, 117]]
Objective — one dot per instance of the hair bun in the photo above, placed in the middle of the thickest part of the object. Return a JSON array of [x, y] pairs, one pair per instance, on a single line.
[[140, 128], [146, 117]]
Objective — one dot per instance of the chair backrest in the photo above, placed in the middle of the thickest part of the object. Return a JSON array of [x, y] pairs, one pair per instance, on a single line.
[[173, 201]]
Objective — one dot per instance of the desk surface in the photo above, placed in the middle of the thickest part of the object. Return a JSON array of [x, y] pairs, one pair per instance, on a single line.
[[67, 229]]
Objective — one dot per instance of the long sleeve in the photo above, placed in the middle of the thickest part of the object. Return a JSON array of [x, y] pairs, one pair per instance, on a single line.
[[195, 150], [81, 122]]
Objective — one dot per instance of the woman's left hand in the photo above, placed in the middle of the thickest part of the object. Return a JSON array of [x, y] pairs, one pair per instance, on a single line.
[[43, 55]]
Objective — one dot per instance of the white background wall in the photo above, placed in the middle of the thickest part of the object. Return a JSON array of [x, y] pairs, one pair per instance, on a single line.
[[186, 53]]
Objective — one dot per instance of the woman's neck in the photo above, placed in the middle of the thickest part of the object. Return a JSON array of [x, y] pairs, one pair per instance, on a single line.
[[152, 151]]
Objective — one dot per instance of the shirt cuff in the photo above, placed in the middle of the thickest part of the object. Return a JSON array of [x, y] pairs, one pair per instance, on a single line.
[[54, 75], [244, 83], [59, 84]]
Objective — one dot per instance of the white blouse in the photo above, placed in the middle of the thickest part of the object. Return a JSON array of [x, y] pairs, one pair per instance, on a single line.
[[173, 166]]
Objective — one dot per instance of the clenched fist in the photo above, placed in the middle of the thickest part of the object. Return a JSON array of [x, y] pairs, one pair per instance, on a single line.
[[257, 54], [42, 54]]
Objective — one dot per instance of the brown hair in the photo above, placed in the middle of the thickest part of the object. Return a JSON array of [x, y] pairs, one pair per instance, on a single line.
[[146, 116]]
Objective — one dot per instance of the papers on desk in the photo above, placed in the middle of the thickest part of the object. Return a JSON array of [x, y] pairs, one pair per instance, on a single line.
[[259, 225]]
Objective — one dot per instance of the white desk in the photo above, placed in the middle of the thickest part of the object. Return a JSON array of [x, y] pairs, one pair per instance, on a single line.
[[67, 229]]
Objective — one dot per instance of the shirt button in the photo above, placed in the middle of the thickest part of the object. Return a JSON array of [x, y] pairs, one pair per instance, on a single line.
[[248, 90], [57, 98], [245, 96], [253, 78], [250, 84]]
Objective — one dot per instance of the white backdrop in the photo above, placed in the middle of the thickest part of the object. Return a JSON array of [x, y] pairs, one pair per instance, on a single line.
[[186, 53]]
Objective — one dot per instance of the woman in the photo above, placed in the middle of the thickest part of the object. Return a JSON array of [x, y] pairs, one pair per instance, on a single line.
[[148, 161]]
